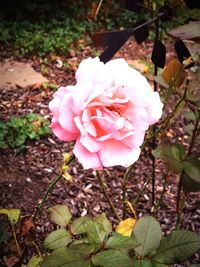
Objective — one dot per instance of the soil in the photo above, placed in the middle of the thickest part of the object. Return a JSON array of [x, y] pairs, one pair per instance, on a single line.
[[25, 176]]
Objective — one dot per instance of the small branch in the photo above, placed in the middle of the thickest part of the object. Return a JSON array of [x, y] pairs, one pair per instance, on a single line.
[[141, 192], [50, 188], [161, 195], [19, 252], [124, 193], [102, 185], [189, 152]]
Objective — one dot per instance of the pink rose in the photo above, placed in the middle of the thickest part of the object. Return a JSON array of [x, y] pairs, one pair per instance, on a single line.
[[107, 113]]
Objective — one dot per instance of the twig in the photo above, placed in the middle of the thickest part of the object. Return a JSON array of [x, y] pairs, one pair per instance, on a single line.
[[102, 184], [141, 192], [19, 252], [124, 193], [50, 188]]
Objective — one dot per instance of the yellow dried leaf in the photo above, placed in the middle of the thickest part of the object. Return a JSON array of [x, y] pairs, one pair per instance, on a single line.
[[125, 227]]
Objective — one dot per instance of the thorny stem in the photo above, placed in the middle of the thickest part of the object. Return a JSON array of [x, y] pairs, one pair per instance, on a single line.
[[103, 187], [16, 242], [124, 193], [161, 195], [141, 192], [189, 152], [50, 188]]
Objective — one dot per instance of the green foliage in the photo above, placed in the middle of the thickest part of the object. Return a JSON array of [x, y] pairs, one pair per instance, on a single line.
[[91, 242], [34, 261], [60, 214], [41, 38], [175, 157], [18, 130], [13, 215], [177, 246], [148, 233]]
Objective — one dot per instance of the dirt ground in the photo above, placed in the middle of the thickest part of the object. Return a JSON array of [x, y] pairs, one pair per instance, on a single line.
[[25, 176]]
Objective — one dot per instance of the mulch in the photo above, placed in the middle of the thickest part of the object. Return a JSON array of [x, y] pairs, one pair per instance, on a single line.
[[25, 176]]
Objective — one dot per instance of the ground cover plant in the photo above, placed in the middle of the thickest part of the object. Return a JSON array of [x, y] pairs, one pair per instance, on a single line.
[[97, 117]]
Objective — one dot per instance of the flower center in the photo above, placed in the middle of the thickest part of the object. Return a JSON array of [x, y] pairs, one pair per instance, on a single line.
[[116, 109]]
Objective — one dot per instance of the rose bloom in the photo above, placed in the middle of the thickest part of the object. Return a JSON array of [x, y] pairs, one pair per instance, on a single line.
[[107, 113]]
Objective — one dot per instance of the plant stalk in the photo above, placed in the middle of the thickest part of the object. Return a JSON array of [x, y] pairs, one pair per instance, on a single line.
[[102, 185], [50, 188]]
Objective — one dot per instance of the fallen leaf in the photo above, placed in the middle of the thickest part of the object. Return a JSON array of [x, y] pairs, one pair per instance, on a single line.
[[26, 225], [125, 227]]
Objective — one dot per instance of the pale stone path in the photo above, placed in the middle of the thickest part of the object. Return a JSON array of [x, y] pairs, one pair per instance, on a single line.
[[17, 74]]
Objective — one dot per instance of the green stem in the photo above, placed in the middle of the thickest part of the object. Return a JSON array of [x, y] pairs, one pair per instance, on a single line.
[[189, 152], [124, 189], [50, 188], [135, 201], [102, 185], [161, 195]]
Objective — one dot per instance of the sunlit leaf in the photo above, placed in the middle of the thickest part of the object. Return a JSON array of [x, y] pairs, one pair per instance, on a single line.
[[56, 239], [34, 261], [148, 233], [125, 227], [177, 247], [112, 258], [60, 215], [13, 215]]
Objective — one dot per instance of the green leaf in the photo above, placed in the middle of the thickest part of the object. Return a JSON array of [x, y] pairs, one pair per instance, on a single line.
[[34, 261], [77, 227], [159, 79], [13, 215], [82, 249], [190, 185], [60, 215], [156, 264], [112, 258], [64, 257], [93, 231], [119, 241], [148, 233], [142, 263], [189, 115], [4, 236], [56, 239], [192, 168], [177, 247], [173, 155], [194, 265], [104, 222]]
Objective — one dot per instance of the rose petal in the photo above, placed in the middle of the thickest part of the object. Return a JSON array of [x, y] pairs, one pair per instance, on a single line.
[[87, 159], [66, 116], [154, 109], [116, 153], [62, 133]]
